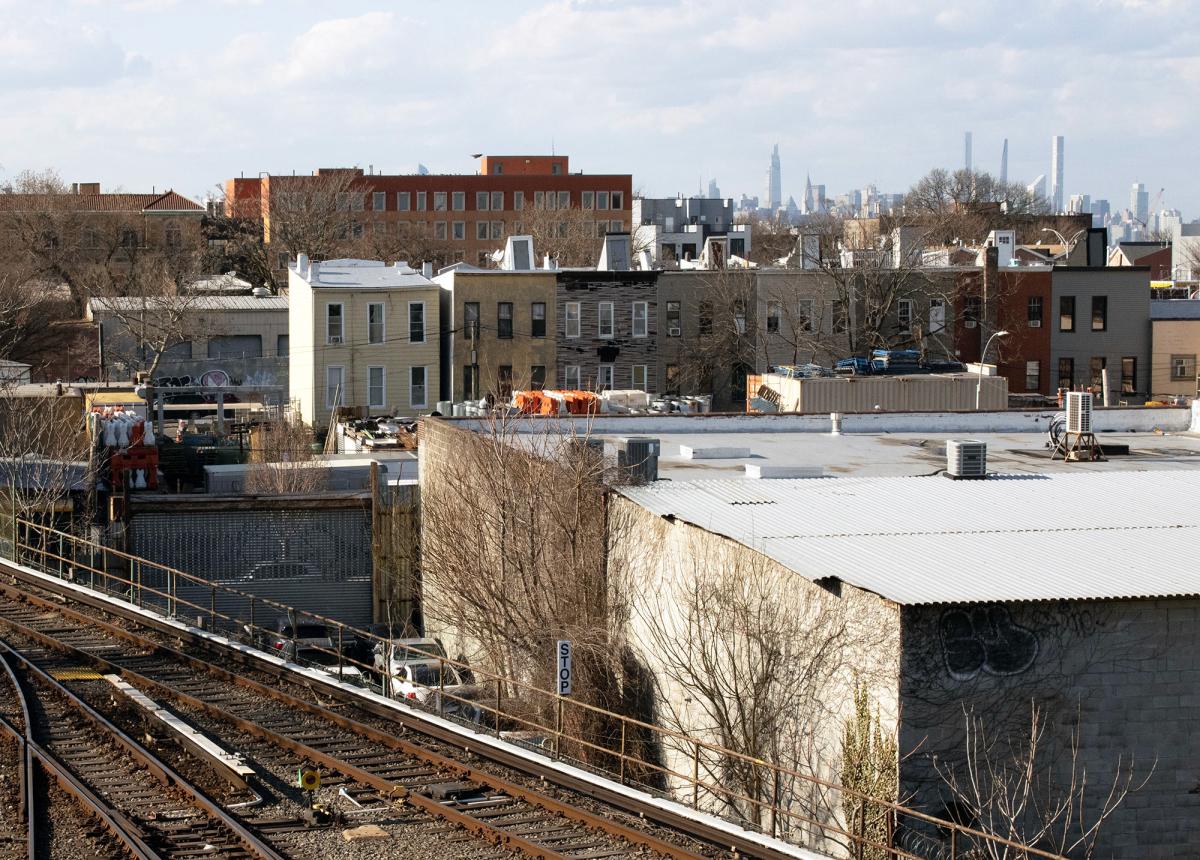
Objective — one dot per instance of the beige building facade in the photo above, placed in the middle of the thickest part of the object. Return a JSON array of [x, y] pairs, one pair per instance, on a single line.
[[364, 335], [498, 332], [1174, 347]]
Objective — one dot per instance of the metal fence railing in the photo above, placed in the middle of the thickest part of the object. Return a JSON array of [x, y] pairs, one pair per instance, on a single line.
[[797, 807]]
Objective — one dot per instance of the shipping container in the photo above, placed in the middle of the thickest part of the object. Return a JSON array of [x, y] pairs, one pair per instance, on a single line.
[[950, 392]]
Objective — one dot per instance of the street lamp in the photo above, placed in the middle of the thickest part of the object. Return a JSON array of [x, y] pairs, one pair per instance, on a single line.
[[1066, 243], [982, 359]]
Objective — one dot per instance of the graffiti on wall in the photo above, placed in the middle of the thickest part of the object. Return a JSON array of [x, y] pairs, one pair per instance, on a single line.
[[985, 639], [216, 378]]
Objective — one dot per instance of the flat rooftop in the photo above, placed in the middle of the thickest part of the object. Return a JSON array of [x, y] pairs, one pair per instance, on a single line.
[[907, 454]]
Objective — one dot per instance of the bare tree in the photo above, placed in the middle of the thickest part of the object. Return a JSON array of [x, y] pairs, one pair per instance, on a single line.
[[282, 461], [1015, 789], [725, 344], [770, 240], [572, 236], [948, 193]]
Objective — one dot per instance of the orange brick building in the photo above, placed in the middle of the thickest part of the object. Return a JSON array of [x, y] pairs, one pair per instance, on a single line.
[[472, 213]]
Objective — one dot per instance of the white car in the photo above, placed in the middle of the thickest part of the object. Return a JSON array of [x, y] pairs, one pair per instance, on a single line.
[[421, 682]]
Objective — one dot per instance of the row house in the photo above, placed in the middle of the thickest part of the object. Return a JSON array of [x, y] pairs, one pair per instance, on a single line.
[[472, 213]]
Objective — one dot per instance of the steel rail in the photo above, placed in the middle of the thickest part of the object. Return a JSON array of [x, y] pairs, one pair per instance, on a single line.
[[598, 789], [24, 756], [161, 771], [388, 788]]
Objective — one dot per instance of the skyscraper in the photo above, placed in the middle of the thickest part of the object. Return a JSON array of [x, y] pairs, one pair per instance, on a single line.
[[967, 151], [1056, 173], [1139, 202], [810, 204], [1004, 163], [714, 192], [1038, 187], [774, 181]]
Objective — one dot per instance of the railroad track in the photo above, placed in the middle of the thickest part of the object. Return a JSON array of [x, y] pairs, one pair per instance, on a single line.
[[378, 766], [150, 808]]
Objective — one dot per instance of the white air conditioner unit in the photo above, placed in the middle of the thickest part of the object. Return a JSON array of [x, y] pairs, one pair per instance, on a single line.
[[966, 458], [1035, 323], [969, 324], [674, 331], [1079, 412], [334, 338]]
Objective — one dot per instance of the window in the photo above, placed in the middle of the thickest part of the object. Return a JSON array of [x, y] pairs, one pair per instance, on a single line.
[[481, 201], [1066, 313], [375, 322], [471, 320], [458, 201], [283, 259], [972, 312], [358, 202], [460, 231], [376, 394], [1128, 374], [571, 377], [1033, 376], [497, 229], [498, 168], [564, 200], [601, 199], [416, 387], [497, 201], [416, 322], [172, 235], [1099, 313], [672, 378], [774, 310], [639, 377], [504, 320], [1066, 373], [704, 318], [641, 319], [504, 381], [617, 199], [439, 230], [518, 200], [281, 346], [335, 390], [343, 201], [537, 312], [1183, 367], [379, 228], [674, 319], [539, 200], [616, 226], [1033, 311], [356, 230], [379, 201], [481, 230], [606, 325], [739, 316], [537, 377], [904, 315], [588, 199], [333, 323], [470, 382], [439, 201], [571, 319], [129, 238], [422, 197], [805, 320], [402, 199], [604, 379], [737, 247], [1098, 363]]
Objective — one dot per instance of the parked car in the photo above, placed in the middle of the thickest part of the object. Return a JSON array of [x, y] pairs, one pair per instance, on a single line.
[[406, 650], [437, 686], [313, 643]]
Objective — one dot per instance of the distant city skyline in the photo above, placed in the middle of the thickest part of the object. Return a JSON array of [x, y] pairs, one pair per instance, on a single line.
[[166, 93]]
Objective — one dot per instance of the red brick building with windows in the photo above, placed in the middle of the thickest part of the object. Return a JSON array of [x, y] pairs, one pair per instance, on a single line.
[[472, 213]]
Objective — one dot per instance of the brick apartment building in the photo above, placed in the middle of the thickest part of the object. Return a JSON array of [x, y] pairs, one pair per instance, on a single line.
[[471, 213]]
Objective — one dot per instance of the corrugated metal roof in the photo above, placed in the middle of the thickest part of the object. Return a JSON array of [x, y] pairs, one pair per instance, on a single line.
[[932, 540], [128, 304]]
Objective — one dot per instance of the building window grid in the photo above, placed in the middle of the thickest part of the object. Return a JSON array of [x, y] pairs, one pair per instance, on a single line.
[[674, 319], [416, 387], [806, 320], [334, 327], [1033, 376], [1099, 313], [481, 201], [335, 386], [458, 201], [1066, 313], [1183, 368], [606, 320], [1033, 311], [571, 319], [439, 201], [604, 379], [376, 332], [571, 377], [537, 314], [1098, 365], [904, 315], [1066, 373], [537, 377], [422, 200], [1128, 374], [638, 377], [416, 322], [497, 229], [460, 231], [376, 388], [497, 201], [379, 201], [504, 320], [402, 201], [641, 319]]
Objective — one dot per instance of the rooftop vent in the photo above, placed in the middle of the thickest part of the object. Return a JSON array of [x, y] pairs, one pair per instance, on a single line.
[[615, 255], [966, 458], [518, 254]]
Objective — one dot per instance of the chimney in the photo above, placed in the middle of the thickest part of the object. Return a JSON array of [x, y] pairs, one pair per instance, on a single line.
[[990, 294], [302, 265], [74, 187], [89, 187], [314, 272], [427, 269]]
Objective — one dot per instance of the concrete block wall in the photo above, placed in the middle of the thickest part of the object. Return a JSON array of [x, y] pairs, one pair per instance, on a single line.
[[1125, 674]]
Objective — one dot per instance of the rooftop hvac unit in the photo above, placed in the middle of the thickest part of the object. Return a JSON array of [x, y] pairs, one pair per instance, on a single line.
[[966, 458], [1079, 412], [637, 457]]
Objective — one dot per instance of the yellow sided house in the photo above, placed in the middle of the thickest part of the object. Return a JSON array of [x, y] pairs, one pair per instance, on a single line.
[[364, 334]]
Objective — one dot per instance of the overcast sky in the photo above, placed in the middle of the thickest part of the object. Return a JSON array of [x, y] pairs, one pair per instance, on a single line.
[[187, 93]]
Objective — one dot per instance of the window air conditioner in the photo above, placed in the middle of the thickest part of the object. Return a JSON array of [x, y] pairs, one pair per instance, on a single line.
[[335, 338], [1035, 323], [674, 331]]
